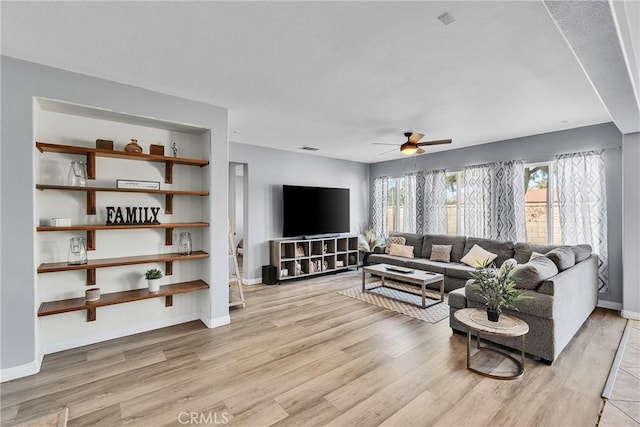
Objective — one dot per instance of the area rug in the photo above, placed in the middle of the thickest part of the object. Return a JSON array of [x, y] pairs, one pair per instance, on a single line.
[[402, 302]]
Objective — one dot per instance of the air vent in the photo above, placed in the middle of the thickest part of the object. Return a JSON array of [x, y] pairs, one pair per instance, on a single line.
[[309, 148]]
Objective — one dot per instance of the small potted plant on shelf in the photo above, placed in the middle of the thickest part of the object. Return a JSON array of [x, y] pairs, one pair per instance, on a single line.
[[153, 277], [368, 241], [497, 287]]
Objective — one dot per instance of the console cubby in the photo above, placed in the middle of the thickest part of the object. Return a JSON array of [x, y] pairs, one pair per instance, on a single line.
[[313, 256]]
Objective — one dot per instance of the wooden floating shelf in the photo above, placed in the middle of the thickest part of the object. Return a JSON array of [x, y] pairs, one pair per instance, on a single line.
[[76, 304], [92, 153], [91, 229], [116, 262], [91, 194]]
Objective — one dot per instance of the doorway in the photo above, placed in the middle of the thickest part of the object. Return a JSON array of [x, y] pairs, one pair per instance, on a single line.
[[238, 214]]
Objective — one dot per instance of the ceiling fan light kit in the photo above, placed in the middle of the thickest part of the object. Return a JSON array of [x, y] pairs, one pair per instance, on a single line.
[[408, 149]]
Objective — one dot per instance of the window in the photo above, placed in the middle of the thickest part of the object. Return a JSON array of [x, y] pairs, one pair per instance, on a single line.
[[455, 203], [541, 204], [395, 204]]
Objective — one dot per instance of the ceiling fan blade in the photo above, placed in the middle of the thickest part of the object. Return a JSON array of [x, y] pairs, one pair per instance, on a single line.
[[387, 152], [415, 137], [420, 151], [437, 142], [384, 143]]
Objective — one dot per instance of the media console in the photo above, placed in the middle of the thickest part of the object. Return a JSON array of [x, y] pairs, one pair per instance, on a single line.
[[294, 258]]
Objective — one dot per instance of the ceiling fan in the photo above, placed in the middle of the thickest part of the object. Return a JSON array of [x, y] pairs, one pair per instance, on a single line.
[[412, 146]]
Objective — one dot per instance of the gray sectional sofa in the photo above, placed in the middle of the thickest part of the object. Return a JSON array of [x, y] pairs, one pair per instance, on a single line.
[[558, 306]]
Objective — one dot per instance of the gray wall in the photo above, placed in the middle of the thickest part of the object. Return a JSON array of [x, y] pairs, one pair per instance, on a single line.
[[268, 170], [21, 82], [540, 148]]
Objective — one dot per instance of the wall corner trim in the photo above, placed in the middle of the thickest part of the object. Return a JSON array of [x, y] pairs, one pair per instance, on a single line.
[[214, 323], [25, 370], [630, 314]]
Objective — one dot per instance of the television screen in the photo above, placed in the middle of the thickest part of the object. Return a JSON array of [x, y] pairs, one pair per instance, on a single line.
[[310, 211]]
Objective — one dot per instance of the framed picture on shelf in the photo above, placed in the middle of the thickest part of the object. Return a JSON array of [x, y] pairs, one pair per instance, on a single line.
[[136, 184]]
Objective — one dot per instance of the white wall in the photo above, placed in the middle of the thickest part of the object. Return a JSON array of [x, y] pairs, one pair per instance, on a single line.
[[534, 148], [631, 225], [23, 81], [268, 170]]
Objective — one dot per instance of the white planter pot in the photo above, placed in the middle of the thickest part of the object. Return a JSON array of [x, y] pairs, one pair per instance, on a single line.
[[154, 285]]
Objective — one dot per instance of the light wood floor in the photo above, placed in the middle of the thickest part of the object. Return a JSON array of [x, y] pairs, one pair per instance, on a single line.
[[300, 354]]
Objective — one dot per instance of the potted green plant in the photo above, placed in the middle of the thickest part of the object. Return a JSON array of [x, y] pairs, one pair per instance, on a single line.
[[368, 241], [497, 287], [153, 277]]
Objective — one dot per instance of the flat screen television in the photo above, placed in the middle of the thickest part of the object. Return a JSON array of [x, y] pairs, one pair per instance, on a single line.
[[310, 211]]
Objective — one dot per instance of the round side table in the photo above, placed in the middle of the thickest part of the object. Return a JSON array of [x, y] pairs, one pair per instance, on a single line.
[[475, 320]]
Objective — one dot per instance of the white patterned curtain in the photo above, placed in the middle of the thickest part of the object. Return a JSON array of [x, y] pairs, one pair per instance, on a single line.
[[508, 210], [379, 206], [580, 180], [477, 201], [433, 218], [410, 203]]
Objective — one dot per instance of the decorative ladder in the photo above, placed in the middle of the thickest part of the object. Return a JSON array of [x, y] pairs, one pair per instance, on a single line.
[[237, 276]]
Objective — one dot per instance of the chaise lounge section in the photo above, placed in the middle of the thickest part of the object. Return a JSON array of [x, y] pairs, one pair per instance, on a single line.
[[562, 296]]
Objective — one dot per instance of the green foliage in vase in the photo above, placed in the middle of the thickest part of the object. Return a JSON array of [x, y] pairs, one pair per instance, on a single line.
[[497, 287], [368, 240], [154, 273]]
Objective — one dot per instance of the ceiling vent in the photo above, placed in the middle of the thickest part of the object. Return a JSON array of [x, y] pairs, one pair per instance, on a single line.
[[309, 148], [446, 19]]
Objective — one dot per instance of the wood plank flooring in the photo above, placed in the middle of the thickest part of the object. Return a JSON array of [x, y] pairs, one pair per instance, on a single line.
[[301, 355]]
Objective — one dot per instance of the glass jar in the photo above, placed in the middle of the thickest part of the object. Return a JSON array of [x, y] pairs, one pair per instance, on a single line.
[[184, 245], [77, 174], [77, 251]]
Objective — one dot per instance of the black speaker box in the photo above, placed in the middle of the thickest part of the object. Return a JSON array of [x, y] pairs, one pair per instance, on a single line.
[[269, 275]]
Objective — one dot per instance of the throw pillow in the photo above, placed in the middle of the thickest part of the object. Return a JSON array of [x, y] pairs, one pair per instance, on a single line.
[[510, 262], [478, 256], [563, 257], [441, 253], [582, 252], [536, 271], [401, 250], [394, 239], [535, 255]]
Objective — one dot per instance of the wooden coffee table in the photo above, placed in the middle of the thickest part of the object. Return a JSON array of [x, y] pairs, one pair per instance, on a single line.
[[416, 277], [475, 320]]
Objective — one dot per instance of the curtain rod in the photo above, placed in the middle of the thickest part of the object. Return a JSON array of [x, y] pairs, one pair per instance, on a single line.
[[539, 159]]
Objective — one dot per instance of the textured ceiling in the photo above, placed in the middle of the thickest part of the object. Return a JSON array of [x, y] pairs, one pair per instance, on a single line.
[[334, 75]]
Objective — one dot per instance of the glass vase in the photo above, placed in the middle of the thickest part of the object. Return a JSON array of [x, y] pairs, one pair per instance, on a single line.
[[77, 251], [184, 245]]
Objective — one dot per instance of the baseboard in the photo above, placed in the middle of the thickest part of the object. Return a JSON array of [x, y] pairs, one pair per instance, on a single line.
[[214, 323], [610, 305], [25, 370], [92, 339], [252, 281], [630, 314]]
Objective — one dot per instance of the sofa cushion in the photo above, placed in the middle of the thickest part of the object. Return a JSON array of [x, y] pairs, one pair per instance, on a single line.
[[503, 250], [534, 255], [478, 256], [401, 250], [581, 252], [459, 271], [387, 259], [523, 250], [440, 253], [562, 257], [394, 239], [456, 242], [427, 265], [539, 305], [531, 274], [412, 239], [456, 298]]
